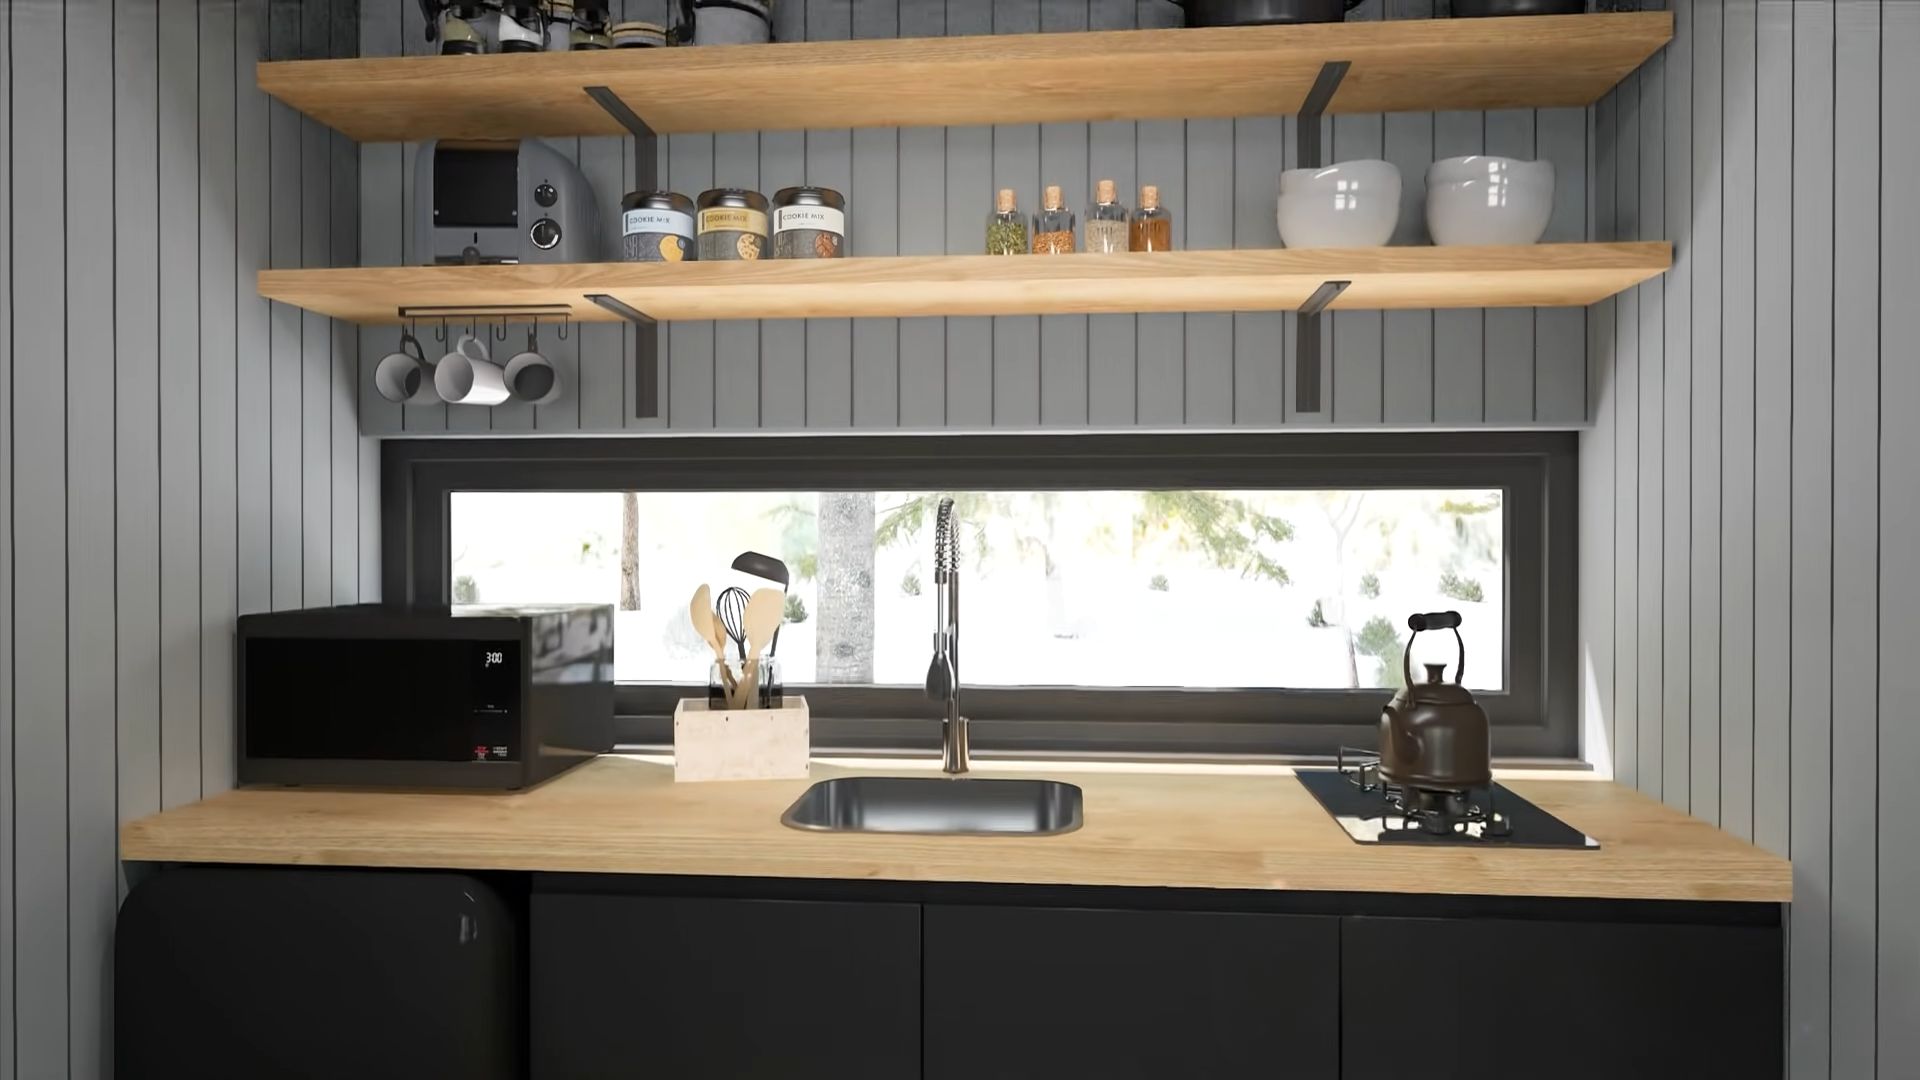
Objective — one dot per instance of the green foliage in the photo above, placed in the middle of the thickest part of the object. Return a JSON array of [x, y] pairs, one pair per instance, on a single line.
[[905, 521], [799, 537], [466, 590], [1159, 583], [1380, 639], [1468, 508], [796, 609], [1317, 618], [910, 584], [1230, 532], [1464, 589], [1370, 586]]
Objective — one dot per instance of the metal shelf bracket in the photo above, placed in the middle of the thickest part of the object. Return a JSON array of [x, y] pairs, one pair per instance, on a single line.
[[646, 144], [646, 355], [646, 174], [1310, 154]]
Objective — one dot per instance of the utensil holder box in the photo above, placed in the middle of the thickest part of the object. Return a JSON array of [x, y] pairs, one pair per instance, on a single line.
[[741, 744]]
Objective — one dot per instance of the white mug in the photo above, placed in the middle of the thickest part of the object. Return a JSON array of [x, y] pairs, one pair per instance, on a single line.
[[465, 376], [533, 378], [404, 376]]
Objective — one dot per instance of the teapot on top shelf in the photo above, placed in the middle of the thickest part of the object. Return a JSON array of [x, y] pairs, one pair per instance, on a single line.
[[1433, 736]]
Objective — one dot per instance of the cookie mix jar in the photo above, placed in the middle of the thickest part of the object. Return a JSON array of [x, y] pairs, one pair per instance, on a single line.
[[656, 226], [809, 223], [732, 224]]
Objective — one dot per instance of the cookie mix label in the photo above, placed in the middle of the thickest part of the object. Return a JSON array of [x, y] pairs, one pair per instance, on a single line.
[[825, 218], [733, 219], [646, 220]]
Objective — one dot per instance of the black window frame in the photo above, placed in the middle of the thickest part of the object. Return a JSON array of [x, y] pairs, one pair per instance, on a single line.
[[1535, 717]]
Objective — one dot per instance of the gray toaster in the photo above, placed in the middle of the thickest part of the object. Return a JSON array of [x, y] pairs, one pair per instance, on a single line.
[[501, 202]]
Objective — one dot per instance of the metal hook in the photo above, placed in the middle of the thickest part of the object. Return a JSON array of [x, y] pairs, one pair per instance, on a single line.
[[440, 335], [563, 326], [533, 335], [501, 335]]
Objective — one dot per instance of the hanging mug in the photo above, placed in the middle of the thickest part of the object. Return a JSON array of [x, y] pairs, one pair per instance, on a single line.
[[532, 377], [404, 376], [466, 376]]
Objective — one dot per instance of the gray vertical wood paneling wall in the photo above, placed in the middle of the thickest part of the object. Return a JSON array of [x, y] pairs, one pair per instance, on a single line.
[[176, 451], [1748, 505], [919, 191]]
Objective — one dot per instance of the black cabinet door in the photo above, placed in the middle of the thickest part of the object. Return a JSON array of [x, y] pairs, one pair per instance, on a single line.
[[1050, 993], [1476, 998], [690, 988], [239, 974]]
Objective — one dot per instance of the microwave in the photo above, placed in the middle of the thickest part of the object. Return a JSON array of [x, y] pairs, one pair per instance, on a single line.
[[461, 696]]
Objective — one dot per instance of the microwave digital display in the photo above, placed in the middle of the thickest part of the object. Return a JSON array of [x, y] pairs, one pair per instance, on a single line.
[[383, 699]]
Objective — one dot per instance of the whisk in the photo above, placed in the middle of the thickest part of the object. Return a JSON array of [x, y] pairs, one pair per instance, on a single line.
[[732, 609]]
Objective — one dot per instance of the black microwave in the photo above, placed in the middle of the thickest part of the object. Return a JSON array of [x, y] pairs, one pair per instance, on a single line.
[[463, 696]]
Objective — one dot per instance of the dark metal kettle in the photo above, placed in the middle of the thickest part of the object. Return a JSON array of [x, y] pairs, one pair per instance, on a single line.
[[1432, 734]]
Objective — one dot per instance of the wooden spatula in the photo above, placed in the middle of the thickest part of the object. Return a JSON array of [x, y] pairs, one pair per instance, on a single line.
[[764, 611]]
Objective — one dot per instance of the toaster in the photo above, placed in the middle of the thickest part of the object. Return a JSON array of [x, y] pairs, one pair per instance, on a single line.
[[501, 202]]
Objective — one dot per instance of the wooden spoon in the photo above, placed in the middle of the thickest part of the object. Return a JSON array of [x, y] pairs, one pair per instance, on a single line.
[[700, 613]]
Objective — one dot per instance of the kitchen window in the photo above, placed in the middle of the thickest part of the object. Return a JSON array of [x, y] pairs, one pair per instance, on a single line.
[[1130, 595]]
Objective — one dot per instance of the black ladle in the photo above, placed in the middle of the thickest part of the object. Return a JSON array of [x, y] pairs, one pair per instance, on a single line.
[[770, 568]]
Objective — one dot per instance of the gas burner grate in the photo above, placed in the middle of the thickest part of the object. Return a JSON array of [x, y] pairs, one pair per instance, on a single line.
[[1436, 812], [1374, 811]]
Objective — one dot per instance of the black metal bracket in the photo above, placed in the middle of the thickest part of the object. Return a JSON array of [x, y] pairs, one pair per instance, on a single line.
[[646, 177], [646, 355], [646, 144], [1309, 356], [1306, 376]]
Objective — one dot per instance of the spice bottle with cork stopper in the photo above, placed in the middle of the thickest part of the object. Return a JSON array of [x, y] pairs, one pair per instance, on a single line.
[[1006, 226], [1152, 226], [1053, 225], [1106, 220]]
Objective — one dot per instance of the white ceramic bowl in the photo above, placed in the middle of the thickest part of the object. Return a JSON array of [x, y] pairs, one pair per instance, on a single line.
[[1344, 205], [1488, 200]]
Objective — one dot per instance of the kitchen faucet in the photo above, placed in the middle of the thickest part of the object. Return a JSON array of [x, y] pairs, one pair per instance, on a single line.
[[943, 675]]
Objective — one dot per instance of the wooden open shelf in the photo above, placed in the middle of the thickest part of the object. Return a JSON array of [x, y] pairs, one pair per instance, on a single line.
[[1398, 65], [1542, 275]]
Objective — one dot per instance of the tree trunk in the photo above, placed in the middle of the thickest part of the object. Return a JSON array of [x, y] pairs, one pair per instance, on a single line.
[[629, 551], [843, 647]]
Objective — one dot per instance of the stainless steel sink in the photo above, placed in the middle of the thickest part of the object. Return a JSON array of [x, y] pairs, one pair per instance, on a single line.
[[949, 805]]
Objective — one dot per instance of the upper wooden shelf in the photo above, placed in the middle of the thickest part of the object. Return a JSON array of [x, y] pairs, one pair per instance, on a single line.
[[1397, 66], [1540, 275]]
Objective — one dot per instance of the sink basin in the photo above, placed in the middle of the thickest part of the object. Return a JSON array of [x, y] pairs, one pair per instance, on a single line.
[[949, 805]]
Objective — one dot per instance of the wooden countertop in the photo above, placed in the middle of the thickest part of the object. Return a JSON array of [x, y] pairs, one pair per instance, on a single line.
[[1232, 828]]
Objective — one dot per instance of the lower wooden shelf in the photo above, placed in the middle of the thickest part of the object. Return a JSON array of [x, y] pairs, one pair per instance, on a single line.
[[1540, 275]]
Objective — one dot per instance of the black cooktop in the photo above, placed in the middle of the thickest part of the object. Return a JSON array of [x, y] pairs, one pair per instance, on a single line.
[[1375, 813]]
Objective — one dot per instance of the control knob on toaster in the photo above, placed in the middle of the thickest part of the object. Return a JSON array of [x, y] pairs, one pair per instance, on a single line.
[[545, 233]]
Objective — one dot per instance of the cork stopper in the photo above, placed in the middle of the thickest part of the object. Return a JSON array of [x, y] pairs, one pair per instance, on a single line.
[[1105, 192], [1055, 200], [1003, 203], [1149, 197]]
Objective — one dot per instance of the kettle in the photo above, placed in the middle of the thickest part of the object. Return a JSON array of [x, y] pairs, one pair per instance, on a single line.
[[1432, 734]]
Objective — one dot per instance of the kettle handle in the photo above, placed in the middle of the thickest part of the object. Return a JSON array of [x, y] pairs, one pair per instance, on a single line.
[[1436, 620]]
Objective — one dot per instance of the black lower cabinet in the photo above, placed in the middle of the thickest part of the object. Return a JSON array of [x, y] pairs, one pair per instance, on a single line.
[[1479, 998], [702, 988], [242, 974], [1049, 993]]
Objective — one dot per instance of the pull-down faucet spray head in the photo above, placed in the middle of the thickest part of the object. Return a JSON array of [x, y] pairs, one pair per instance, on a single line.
[[940, 673]]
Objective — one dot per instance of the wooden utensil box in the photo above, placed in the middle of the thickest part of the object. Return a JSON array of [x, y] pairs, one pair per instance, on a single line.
[[741, 744]]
